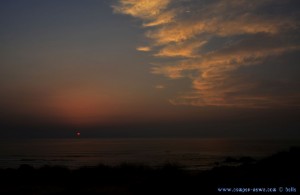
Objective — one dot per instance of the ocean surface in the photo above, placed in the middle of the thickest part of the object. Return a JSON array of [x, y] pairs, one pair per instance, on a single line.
[[193, 153]]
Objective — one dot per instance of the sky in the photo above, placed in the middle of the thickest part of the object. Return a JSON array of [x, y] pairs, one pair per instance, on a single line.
[[150, 68]]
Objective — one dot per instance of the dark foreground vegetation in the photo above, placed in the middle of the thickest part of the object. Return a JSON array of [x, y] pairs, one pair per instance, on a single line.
[[279, 170]]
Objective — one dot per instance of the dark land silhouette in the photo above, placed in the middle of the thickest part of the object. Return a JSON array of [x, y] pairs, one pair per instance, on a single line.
[[280, 171]]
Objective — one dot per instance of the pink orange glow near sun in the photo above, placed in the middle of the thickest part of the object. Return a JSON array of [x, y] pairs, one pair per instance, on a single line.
[[78, 133]]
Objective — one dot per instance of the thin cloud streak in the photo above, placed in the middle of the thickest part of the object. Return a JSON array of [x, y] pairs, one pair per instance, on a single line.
[[145, 49], [248, 33], [181, 49]]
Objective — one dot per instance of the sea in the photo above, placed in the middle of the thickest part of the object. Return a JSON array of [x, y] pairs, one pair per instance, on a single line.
[[190, 153]]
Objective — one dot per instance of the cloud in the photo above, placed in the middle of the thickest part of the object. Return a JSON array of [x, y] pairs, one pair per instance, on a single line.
[[211, 42], [151, 11], [145, 49], [181, 49], [160, 87], [163, 18]]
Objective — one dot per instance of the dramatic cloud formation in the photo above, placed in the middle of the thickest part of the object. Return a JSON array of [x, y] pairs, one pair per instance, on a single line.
[[212, 42]]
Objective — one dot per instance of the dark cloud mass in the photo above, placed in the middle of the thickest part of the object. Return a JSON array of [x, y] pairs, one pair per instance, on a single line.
[[217, 45]]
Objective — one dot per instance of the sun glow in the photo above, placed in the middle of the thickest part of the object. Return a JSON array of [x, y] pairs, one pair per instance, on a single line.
[[82, 108]]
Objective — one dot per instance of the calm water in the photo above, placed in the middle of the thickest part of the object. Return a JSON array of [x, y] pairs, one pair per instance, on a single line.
[[193, 153]]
